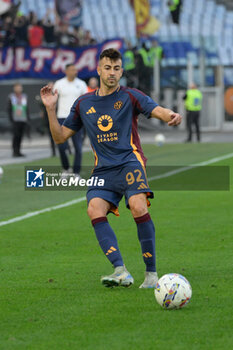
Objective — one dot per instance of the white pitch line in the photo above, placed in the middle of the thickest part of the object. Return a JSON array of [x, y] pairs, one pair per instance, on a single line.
[[215, 160], [34, 213], [186, 168], [170, 173], [78, 200]]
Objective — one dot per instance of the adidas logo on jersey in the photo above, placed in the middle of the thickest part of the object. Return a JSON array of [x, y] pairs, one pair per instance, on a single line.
[[142, 186], [91, 110]]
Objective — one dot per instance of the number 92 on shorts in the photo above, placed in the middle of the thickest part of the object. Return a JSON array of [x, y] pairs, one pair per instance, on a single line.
[[127, 180]]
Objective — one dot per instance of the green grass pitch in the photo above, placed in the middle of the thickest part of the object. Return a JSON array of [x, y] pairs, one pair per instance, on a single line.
[[51, 264]]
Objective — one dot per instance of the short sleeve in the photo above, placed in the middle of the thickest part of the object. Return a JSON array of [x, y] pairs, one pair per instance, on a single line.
[[143, 103], [74, 121]]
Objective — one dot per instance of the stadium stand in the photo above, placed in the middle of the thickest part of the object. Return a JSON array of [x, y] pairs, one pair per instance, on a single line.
[[107, 19], [211, 31], [214, 31], [103, 20]]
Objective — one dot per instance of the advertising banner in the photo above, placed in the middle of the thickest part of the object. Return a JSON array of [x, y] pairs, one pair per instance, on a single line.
[[48, 63]]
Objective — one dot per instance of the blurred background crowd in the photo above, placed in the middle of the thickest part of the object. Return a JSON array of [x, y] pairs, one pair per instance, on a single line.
[[167, 46], [26, 29]]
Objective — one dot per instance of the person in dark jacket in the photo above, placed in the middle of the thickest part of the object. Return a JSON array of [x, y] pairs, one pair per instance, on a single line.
[[19, 116], [143, 69], [193, 105], [175, 9]]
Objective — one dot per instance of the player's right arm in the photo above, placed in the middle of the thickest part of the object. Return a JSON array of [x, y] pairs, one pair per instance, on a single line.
[[59, 132]]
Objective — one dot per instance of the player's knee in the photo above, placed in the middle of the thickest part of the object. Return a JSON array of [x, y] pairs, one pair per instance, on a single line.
[[138, 209], [91, 211], [95, 210], [138, 205]]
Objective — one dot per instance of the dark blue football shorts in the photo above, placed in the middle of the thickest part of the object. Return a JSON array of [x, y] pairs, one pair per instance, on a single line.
[[125, 180]]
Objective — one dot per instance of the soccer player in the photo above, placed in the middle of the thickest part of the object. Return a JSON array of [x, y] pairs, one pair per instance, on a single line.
[[110, 117]]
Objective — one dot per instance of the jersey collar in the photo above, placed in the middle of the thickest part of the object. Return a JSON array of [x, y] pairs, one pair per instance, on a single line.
[[97, 92]]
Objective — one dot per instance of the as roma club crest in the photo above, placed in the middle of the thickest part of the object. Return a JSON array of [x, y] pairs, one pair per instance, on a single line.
[[118, 105]]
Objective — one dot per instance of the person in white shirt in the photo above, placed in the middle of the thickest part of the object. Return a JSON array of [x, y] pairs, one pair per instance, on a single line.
[[69, 89]]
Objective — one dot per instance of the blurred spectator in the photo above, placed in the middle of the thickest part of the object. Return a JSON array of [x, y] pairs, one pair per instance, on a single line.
[[175, 7], [32, 18], [74, 37], [86, 40], [69, 89], [49, 35], [155, 53], [84, 37], [63, 36], [144, 69], [193, 105], [129, 64], [9, 38], [93, 84], [6, 31], [19, 116], [35, 34], [21, 31]]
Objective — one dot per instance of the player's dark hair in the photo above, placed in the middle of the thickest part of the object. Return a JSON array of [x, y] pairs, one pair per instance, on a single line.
[[69, 65], [111, 53]]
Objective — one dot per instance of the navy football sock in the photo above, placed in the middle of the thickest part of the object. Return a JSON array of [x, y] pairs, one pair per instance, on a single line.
[[146, 236], [107, 240]]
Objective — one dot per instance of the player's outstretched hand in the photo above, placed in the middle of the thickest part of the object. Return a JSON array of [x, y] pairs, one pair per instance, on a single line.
[[48, 97], [176, 119]]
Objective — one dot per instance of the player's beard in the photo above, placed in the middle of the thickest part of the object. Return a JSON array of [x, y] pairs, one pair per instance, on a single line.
[[110, 82]]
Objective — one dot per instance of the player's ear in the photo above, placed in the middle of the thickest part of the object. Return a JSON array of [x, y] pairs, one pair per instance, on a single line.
[[98, 70]]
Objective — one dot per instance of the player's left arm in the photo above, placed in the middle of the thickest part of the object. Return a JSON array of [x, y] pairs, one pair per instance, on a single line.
[[166, 115]]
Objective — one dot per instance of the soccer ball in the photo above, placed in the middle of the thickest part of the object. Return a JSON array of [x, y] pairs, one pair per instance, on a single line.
[[159, 139], [173, 291]]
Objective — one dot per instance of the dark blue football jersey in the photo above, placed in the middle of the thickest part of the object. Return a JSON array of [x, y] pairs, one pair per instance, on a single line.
[[111, 124]]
